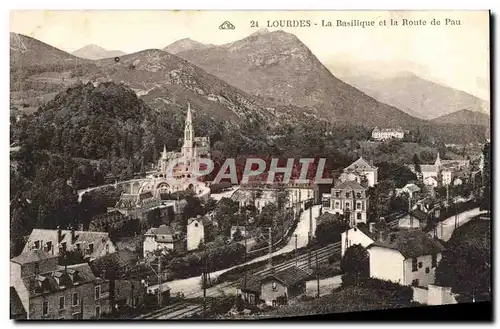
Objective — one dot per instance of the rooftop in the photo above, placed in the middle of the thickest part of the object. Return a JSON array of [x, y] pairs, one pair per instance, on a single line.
[[410, 244], [349, 185], [32, 256], [360, 164], [289, 276]]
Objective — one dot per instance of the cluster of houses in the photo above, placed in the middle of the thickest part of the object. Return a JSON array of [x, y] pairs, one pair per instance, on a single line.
[[442, 172]]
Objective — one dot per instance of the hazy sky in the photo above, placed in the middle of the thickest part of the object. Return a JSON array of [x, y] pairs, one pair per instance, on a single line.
[[455, 55]]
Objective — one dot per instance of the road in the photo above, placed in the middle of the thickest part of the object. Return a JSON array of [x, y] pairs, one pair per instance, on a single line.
[[191, 286], [445, 230]]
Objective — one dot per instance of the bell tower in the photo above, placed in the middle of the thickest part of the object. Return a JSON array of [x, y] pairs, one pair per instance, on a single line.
[[187, 148]]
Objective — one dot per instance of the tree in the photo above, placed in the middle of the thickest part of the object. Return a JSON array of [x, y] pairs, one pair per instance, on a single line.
[[329, 228], [466, 269], [486, 197], [237, 236], [355, 264], [416, 163]]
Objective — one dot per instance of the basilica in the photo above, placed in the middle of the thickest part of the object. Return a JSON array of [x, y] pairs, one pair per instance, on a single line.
[[181, 178]]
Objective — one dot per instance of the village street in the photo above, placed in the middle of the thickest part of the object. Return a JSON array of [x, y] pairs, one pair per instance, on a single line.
[[445, 230], [191, 286]]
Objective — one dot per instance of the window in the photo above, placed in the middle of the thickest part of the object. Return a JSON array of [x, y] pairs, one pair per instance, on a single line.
[[347, 205], [274, 286], [358, 216], [49, 246], [107, 248], [420, 265], [37, 244], [337, 205], [415, 283], [427, 270], [358, 205], [414, 264], [78, 247], [61, 302], [251, 298], [91, 248], [358, 195], [63, 246], [337, 194], [195, 224], [434, 260], [76, 316], [45, 308], [347, 194], [97, 292], [97, 311], [75, 299]]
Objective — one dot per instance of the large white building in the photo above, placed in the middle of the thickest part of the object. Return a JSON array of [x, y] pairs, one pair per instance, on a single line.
[[406, 257], [387, 133], [360, 171], [195, 233], [441, 172]]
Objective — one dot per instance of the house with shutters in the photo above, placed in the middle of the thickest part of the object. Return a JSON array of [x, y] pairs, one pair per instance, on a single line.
[[348, 197], [162, 238], [49, 291], [406, 257], [90, 244]]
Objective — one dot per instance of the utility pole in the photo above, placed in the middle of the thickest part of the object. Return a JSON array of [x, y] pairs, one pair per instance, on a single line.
[[317, 275], [205, 286], [246, 219], [409, 212], [296, 260], [159, 280], [271, 249]]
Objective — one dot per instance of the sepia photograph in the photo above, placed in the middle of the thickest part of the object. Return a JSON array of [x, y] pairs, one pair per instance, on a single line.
[[249, 165]]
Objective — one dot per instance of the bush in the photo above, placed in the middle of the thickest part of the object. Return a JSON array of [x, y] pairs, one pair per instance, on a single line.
[[392, 291]]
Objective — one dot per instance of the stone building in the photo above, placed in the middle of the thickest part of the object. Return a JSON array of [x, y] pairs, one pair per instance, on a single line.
[[348, 197], [49, 291]]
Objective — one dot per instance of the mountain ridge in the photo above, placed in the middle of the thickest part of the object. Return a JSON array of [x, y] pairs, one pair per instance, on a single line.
[[279, 67], [95, 52]]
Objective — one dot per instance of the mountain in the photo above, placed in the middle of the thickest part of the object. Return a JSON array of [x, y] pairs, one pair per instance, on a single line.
[[184, 45], [26, 52], [95, 52], [464, 117], [279, 67], [417, 96]]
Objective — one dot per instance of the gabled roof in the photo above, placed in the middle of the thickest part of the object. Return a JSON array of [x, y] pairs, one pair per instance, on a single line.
[[97, 239], [360, 164], [418, 214], [412, 188], [410, 244], [349, 185], [428, 168], [32, 256], [289, 276]]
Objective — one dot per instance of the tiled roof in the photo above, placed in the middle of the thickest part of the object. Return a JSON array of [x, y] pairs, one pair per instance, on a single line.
[[32, 256], [252, 283], [410, 244], [360, 164], [98, 239], [289, 276], [428, 168], [49, 282], [349, 185]]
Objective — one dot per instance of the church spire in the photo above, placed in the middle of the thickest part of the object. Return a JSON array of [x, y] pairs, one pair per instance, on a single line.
[[164, 153], [438, 160], [188, 129]]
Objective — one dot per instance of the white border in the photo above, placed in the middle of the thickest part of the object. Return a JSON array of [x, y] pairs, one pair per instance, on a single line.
[[187, 4]]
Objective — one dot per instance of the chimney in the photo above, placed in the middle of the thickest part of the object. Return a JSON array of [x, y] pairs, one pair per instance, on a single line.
[[372, 227]]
